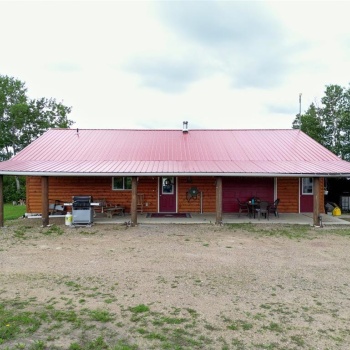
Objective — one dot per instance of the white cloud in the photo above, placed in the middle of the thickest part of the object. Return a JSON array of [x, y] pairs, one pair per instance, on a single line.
[[148, 64]]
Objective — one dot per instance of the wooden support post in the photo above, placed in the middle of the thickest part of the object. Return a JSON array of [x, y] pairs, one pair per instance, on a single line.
[[134, 201], [218, 201], [316, 213], [1, 201], [45, 200]]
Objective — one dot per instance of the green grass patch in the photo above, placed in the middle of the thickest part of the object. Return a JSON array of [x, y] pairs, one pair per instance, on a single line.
[[286, 230], [101, 315], [14, 323], [13, 212], [53, 230], [139, 309], [20, 232]]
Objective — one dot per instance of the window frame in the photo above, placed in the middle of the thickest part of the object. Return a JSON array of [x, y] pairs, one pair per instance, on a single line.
[[168, 185], [125, 185], [308, 185]]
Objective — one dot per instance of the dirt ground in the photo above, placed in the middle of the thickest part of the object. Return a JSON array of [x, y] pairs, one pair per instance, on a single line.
[[228, 287]]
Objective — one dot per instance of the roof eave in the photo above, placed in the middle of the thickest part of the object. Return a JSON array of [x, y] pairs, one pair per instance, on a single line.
[[206, 174]]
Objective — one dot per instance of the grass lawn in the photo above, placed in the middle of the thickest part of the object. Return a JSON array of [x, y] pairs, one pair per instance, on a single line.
[[12, 212]]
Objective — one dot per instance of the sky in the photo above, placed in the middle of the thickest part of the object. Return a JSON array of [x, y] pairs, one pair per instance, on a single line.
[[155, 64]]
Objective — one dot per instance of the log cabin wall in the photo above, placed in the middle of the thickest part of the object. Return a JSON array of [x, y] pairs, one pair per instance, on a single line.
[[288, 191], [63, 188], [204, 184]]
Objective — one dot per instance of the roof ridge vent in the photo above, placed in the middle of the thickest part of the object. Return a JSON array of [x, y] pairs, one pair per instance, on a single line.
[[185, 127]]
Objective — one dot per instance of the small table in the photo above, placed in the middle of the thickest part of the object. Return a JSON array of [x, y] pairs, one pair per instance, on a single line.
[[252, 208], [110, 211]]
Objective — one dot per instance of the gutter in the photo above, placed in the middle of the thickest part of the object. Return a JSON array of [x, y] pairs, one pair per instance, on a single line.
[[215, 174]]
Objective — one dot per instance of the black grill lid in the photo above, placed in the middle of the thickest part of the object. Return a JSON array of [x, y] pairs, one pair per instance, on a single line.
[[82, 199]]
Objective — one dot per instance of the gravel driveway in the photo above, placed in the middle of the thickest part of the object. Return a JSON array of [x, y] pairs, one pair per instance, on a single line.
[[212, 287]]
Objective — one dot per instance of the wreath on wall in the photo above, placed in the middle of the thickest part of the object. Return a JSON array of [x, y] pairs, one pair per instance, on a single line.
[[192, 193]]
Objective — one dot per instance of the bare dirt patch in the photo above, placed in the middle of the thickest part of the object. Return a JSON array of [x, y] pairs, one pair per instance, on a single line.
[[178, 286]]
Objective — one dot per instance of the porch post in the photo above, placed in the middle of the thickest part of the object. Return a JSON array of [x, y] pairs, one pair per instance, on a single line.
[[1, 201], [316, 213], [45, 200], [134, 201], [218, 201]]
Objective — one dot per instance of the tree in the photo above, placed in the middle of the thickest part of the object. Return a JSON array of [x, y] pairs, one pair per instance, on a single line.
[[22, 119], [329, 124], [311, 124]]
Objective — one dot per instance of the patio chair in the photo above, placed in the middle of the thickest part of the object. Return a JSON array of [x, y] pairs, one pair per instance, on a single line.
[[57, 208], [243, 207], [263, 209], [140, 200], [274, 207]]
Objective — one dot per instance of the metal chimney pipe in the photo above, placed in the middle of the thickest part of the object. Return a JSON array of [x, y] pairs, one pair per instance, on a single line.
[[185, 127]]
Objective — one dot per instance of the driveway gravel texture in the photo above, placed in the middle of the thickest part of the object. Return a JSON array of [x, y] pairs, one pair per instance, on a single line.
[[244, 286]]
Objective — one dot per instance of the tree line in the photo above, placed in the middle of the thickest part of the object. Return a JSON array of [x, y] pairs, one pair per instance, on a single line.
[[22, 120], [329, 122]]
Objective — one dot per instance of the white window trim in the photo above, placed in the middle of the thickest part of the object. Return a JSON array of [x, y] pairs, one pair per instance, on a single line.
[[302, 187], [124, 181]]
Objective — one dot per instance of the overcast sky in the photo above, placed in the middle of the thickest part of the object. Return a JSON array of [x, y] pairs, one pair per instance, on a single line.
[[154, 64]]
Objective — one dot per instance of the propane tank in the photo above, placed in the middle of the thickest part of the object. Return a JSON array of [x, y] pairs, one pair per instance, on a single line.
[[336, 211], [68, 219]]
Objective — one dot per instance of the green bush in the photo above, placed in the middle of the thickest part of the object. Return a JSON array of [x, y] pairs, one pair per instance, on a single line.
[[10, 190]]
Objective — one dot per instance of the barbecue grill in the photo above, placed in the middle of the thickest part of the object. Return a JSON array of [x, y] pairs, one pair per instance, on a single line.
[[82, 211]]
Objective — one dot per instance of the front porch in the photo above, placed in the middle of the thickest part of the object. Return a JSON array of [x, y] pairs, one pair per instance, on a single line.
[[233, 218]]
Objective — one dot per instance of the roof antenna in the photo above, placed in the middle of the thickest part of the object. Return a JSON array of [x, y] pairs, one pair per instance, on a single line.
[[300, 111]]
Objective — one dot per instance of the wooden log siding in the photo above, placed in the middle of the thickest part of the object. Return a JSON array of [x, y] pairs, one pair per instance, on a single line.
[[288, 191], [63, 188], [204, 184]]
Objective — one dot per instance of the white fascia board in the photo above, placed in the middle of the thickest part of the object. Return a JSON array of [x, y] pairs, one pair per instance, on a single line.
[[65, 174]]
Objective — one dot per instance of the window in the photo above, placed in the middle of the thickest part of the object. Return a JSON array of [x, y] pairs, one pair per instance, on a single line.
[[307, 185], [121, 183], [167, 185]]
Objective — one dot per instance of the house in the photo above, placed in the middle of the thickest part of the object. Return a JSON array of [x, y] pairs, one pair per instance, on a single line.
[[176, 170]]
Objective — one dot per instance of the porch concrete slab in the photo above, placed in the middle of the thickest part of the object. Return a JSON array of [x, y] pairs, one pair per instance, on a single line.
[[196, 218]]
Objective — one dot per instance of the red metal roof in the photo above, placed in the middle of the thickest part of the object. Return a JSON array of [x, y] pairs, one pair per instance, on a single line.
[[154, 152]]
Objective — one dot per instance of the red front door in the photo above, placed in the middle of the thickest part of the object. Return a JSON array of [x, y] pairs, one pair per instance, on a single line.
[[167, 194], [306, 195]]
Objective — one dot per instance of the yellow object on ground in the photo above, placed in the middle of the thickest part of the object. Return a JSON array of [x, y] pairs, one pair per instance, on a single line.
[[336, 211]]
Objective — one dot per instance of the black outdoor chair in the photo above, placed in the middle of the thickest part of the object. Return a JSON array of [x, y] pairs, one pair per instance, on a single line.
[[274, 207], [263, 210], [243, 207]]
